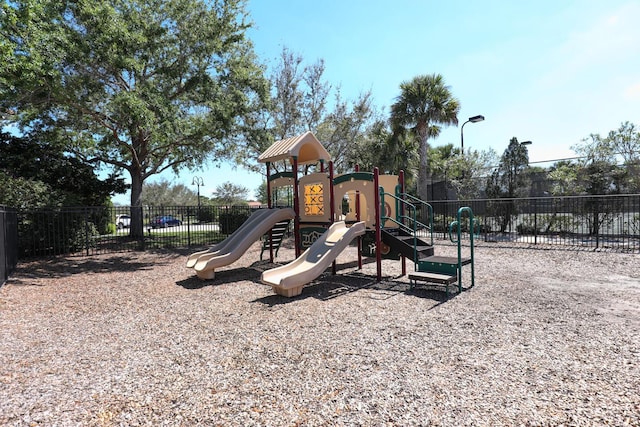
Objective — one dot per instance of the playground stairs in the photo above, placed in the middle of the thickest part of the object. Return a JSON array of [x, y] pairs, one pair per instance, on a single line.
[[403, 242], [430, 268], [278, 233], [440, 270]]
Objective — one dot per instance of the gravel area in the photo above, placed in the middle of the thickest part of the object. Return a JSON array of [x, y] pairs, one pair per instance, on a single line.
[[546, 337]]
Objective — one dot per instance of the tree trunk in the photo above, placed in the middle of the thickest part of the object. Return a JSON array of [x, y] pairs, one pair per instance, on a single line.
[[423, 177], [136, 227]]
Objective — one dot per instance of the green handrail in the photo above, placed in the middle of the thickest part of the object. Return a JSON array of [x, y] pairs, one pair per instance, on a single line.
[[458, 241], [415, 202], [399, 220]]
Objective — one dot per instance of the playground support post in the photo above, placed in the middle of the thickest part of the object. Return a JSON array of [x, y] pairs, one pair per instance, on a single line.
[[332, 209], [403, 259], [269, 204], [378, 224], [358, 219], [296, 207]]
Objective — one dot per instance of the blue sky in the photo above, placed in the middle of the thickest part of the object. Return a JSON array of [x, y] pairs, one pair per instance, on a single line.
[[552, 72]]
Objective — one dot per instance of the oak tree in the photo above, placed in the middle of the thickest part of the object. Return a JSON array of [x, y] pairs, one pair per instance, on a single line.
[[140, 86]]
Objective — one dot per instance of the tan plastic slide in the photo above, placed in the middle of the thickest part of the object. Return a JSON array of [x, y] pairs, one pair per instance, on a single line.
[[254, 218], [288, 280], [236, 244]]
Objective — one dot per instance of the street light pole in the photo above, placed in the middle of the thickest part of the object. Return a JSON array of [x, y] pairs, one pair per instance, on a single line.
[[474, 119], [198, 181]]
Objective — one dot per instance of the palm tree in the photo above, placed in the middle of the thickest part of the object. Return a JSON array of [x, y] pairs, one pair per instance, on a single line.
[[425, 103]]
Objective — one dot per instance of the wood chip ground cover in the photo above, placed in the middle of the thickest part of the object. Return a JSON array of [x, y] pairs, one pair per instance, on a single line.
[[546, 337]]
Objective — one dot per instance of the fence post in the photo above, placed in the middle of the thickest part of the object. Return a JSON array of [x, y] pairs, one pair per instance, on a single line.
[[86, 231], [596, 221], [535, 221], [189, 225], [8, 242], [4, 247], [142, 242]]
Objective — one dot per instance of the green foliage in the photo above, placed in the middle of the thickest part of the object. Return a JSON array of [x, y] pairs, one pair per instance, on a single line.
[[526, 226], [38, 173], [425, 103], [82, 237], [463, 173], [504, 211], [24, 193], [564, 178], [206, 214], [344, 129], [599, 170], [53, 232], [598, 212], [555, 223], [299, 103], [228, 194], [441, 223], [510, 178], [261, 191], [545, 223], [163, 193], [626, 143], [232, 219], [298, 99], [139, 85], [602, 177], [37, 178], [390, 153], [299, 95], [111, 228]]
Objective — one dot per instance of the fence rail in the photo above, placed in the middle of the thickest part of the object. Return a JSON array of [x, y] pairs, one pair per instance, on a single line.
[[8, 242], [87, 231], [580, 222]]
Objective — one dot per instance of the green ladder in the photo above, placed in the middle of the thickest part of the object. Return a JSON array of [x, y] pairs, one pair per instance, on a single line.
[[277, 236]]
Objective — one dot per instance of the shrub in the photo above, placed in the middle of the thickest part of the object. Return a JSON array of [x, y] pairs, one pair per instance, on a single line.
[[526, 225], [525, 229], [111, 228], [633, 225], [207, 214], [49, 232], [232, 220], [81, 237]]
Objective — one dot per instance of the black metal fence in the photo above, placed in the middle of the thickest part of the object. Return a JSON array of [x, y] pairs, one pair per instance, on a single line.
[[587, 222], [577, 222], [95, 230], [8, 242]]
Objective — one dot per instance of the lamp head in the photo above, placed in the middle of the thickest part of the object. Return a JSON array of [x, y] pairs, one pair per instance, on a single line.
[[476, 119]]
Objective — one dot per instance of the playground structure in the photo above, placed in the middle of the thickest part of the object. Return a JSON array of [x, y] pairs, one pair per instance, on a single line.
[[383, 219]]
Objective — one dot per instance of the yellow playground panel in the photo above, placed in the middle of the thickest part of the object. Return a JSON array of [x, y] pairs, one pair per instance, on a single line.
[[315, 190]]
